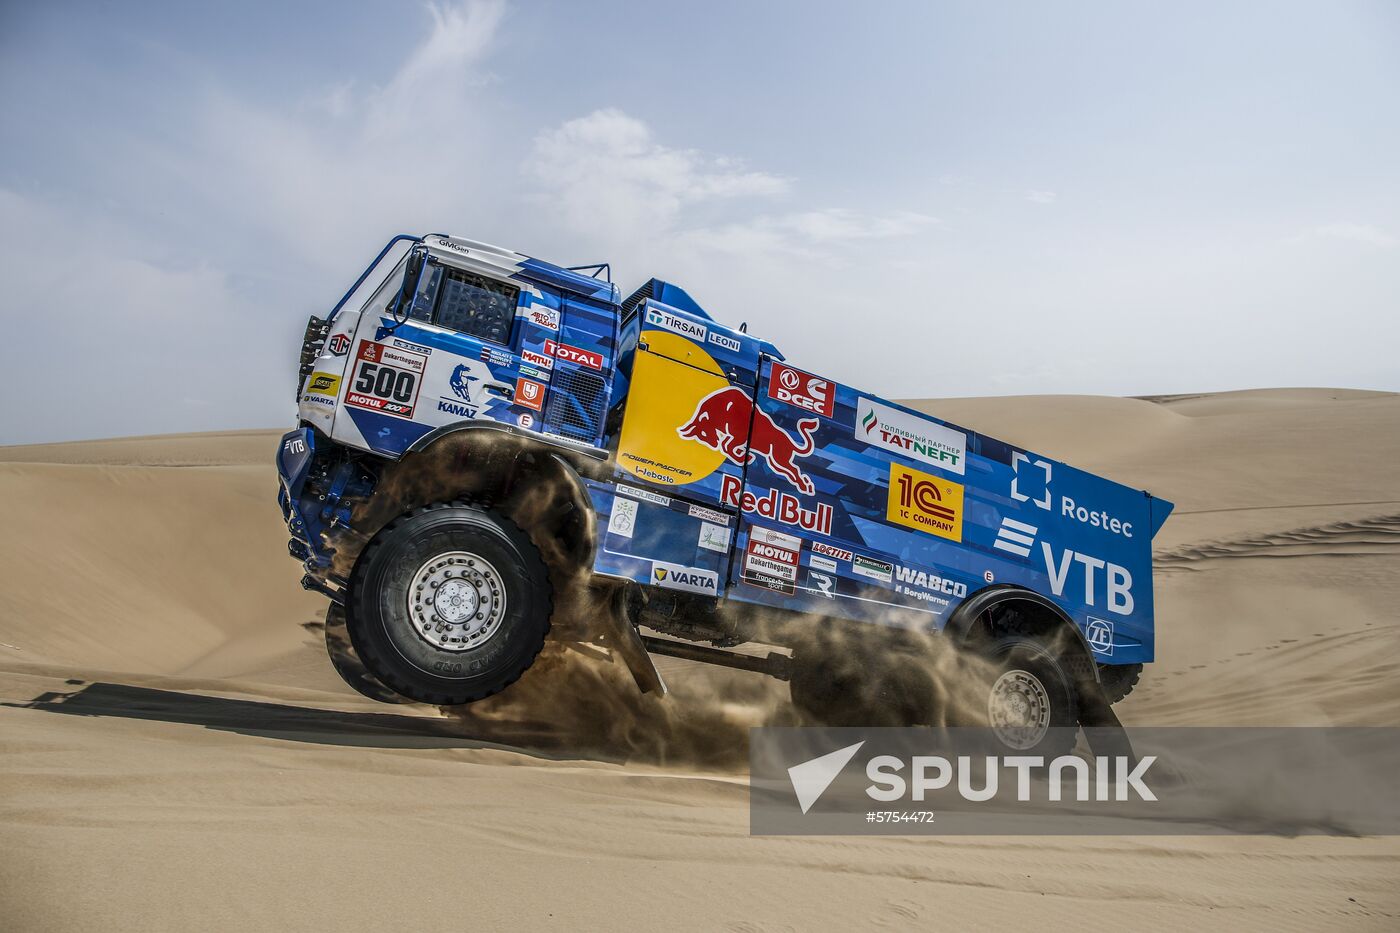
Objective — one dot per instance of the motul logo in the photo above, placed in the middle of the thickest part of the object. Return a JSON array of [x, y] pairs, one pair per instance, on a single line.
[[801, 390], [776, 505], [574, 354]]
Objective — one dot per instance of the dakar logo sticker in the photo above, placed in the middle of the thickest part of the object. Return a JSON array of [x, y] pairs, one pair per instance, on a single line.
[[721, 422]]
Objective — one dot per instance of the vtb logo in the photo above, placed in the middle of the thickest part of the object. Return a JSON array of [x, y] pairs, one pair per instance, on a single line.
[[721, 422]]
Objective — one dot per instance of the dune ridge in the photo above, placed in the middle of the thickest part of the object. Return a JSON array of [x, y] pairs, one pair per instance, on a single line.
[[172, 734]]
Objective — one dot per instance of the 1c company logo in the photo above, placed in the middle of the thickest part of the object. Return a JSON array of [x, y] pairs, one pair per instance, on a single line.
[[925, 502]]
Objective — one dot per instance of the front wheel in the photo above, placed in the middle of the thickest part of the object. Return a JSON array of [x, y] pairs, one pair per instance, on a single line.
[[450, 604]]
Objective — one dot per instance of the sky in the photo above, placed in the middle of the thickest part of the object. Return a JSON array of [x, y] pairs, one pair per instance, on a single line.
[[920, 199]]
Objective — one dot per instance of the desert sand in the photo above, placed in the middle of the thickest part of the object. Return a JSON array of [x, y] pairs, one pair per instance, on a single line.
[[176, 752]]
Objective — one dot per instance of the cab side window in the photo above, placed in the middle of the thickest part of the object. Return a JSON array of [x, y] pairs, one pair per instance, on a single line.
[[465, 302]]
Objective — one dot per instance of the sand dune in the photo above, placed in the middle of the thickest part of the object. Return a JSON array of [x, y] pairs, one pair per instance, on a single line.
[[177, 752]]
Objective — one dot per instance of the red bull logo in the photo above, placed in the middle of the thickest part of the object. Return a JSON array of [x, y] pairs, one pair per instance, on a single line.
[[722, 422], [775, 505]]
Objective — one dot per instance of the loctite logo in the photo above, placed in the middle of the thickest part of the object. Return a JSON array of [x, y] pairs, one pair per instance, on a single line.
[[829, 551], [778, 506], [801, 390], [574, 354]]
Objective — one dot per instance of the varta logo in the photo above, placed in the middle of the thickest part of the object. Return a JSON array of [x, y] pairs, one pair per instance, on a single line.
[[679, 577]]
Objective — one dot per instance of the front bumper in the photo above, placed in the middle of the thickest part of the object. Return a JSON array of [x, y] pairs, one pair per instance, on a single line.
[[295, 454]]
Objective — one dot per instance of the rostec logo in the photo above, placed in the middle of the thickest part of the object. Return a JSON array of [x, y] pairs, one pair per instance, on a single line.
[[909, 435], [1099, 634], [801, 390], [530, 394], [925, 502], [1015, 537], [1032, 475], [574, 354], [721, 422], [537, 359], [339, 345]]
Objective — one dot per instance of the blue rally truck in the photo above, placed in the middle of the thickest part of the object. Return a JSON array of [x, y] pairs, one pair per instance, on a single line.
[[486, 439]]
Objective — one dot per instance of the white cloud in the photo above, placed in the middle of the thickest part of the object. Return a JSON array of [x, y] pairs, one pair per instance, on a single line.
[[1041, 197], [604, 173], [1358, 233]]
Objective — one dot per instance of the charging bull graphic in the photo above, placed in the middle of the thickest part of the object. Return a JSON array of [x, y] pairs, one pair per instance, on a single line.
[[721, 422]]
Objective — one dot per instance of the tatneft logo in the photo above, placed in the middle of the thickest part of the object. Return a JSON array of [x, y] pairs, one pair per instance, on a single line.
[[910, 435], [893, 778]]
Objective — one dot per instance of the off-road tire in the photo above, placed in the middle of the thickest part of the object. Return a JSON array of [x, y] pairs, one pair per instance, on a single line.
[[1118, 680], [1023, 665], [381, 627], [348, 664]]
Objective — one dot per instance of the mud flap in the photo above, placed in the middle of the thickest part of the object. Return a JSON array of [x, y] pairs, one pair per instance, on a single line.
[[1102, 730], [347, 663], [623, 637]]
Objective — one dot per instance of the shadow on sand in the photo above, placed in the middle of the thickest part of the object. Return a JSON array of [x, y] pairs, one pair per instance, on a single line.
[[300, 723]]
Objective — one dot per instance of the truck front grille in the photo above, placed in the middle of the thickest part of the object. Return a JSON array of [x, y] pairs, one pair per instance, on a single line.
[[576, 402]]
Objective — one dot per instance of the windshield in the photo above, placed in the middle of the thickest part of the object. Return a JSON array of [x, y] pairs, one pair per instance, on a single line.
[[386, 273]]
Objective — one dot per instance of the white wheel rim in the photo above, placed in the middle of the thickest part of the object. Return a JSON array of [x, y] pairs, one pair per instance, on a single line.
[[456, 601], [1019, 709]]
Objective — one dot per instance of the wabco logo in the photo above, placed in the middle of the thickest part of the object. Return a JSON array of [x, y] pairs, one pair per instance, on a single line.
[[722, 422], [801, 390], [689, 579]]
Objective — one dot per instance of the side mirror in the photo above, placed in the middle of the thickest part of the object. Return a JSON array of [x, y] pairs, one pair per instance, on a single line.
[[412, 268]]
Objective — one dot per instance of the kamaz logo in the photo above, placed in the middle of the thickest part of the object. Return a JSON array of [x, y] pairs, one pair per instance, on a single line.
[[453, 408]]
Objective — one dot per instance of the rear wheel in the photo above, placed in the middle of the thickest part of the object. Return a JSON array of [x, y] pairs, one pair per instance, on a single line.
[[450, 604], [1028, 697]]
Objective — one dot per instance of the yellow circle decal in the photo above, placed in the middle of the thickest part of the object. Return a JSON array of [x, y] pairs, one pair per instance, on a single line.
[[670, 376]]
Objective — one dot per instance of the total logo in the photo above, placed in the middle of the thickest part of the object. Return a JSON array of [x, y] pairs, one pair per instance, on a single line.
[[573, 354], [801, 390], [722, 422], [775, 505]]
